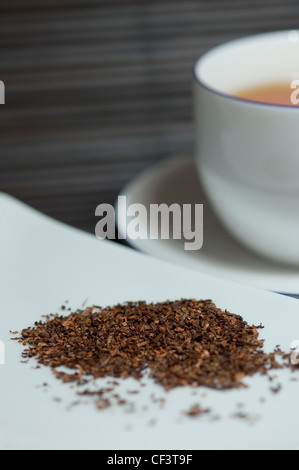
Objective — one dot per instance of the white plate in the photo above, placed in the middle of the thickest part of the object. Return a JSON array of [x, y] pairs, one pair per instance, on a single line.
[[43, 263], [176, 181]]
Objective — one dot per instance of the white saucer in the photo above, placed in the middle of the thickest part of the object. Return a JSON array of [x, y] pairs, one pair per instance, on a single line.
[[175, 181]]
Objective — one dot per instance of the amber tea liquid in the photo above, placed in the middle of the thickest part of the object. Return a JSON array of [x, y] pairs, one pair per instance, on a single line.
[[275, 93]]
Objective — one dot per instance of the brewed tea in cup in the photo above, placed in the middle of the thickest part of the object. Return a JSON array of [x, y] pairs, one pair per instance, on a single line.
[[247, 140]]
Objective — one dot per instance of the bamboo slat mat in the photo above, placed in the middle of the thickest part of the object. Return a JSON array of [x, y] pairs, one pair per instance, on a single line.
[[97, 91]]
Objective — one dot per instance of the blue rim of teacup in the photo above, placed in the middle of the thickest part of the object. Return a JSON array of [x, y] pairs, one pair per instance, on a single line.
[[296, 296], [232, 97]]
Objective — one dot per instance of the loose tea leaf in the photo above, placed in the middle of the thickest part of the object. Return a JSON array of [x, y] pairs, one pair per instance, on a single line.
[[177, 343], [197, 410]]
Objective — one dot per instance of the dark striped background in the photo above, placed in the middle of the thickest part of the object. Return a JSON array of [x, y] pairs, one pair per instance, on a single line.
[[97, 91]]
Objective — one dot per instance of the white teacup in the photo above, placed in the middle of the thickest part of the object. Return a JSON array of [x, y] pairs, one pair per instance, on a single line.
[[247, 153]]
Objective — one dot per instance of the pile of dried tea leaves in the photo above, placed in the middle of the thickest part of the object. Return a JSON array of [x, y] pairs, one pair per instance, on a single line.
[[178, 343]]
